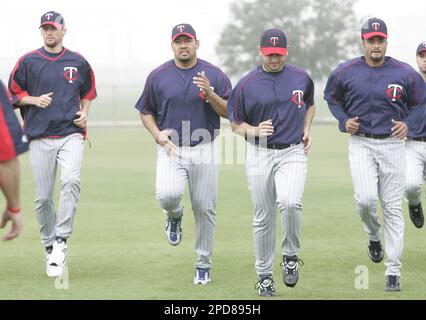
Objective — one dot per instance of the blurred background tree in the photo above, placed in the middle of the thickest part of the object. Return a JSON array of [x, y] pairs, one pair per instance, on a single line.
[[320, 34]]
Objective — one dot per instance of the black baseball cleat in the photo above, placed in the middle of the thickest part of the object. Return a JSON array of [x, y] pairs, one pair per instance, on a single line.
[[375, 251], [265, 285], [290, 270], [416, 215], [392, 283]]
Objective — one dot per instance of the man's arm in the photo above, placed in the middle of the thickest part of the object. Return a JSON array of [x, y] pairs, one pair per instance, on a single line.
[[83, 114], [307, 139], [339, 113], [161, 137], [218, 104], [9, 184], [42, 101], [264, 129]]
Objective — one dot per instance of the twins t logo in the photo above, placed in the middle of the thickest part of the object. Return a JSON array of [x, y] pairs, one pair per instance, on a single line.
[[375, 26], [180, 28], [274, 41], [394, 91], [70, 73], [48, 15], [297, 98]]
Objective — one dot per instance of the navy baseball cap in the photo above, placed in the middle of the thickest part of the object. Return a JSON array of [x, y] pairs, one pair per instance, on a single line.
[[421, 47], [374, 27], [273, 41], [183, 29], [53, 18]]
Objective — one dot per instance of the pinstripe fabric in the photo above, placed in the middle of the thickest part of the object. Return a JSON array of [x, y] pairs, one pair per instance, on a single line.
[[197, 166], [378, 173], [276, 180], [416, 171], [45, 156]]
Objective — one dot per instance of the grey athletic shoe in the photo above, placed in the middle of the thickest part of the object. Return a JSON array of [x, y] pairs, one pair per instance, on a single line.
[[290, 270]]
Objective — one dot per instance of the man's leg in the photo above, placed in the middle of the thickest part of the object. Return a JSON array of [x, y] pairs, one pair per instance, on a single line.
[[169, 187], [415, 170], [290, 180], [290, 177], [202, 181], [391, 190], [43, 160], [260, 177], [365, 181], [69, 157]]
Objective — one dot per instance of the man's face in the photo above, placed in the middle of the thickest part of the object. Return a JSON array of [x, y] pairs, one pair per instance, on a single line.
[[52, 36], [421, 61], [375, 48], [273, 62], [185, 48]]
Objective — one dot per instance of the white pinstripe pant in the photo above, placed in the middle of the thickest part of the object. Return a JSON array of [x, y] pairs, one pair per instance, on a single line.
[[276, 180], [45, 155], [416, 171], [378, 172], [198, 166]]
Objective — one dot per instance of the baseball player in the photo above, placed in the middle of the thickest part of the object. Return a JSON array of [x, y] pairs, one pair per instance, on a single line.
[[273, 107], [181, 107], [376, 99], [54, 87], [416, 155], [12, 144]]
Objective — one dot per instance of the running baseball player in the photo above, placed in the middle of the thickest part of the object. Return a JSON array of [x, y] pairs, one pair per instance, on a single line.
[[12, 144], [181, 107], [273, 107], [54, 87], [416, 155], [376, 99]]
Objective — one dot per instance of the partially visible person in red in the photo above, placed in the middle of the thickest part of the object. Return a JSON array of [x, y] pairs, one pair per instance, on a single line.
[[12, 143]]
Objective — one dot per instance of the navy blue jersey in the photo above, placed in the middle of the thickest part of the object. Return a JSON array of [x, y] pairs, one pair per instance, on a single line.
[[71, 79], [282, 96], [173, 99], [376, 95], [11, 136]]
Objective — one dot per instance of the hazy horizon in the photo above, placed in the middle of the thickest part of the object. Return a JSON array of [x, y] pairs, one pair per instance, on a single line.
[[124, 41]]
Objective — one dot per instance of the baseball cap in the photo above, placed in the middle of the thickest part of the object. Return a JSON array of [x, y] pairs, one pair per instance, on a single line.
[[374, 27], [421, 47], [183, 29], [273, 41], [53, 18]]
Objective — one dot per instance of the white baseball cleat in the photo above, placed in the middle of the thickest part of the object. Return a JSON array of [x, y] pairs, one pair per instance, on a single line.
[[57, 259]]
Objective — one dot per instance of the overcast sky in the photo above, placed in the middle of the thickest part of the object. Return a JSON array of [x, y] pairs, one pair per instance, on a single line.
[[123, 40]]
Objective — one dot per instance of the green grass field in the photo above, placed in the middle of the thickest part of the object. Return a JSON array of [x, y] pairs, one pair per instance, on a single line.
[[119, 248]]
